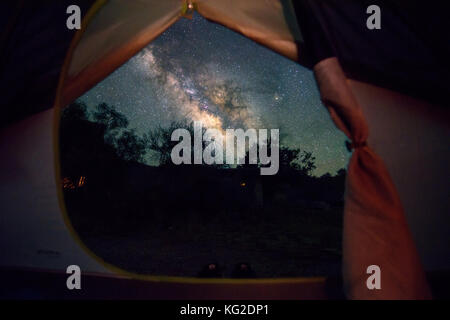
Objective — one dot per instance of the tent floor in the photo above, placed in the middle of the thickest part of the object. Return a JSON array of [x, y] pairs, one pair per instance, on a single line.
[[37, 284], [27, 283]]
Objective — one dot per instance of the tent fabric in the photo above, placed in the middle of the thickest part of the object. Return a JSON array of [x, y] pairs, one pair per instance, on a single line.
[[265, 22], [409, 135], [374, 220], [106, 44], [32, 229], [375, 228], [33, 45], [35, 242], [367, 210], [407, 54], [42, 283]]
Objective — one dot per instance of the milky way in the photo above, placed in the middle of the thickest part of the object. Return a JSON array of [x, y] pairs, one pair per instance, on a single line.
[[198, 70]]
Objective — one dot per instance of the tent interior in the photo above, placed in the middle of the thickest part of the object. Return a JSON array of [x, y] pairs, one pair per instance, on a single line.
[[396, 76]]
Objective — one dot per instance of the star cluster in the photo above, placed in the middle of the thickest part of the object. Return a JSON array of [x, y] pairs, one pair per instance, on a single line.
[[199, 70]]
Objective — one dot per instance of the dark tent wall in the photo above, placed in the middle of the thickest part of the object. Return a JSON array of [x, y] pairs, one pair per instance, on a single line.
[[34, 41], [408, 54]]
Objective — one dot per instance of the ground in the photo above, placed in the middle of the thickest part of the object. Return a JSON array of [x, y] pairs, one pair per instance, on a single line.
[[297, 244]]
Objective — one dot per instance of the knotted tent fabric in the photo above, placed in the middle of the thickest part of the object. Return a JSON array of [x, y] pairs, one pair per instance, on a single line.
[[115, 30], [375, 227], [396, 57]]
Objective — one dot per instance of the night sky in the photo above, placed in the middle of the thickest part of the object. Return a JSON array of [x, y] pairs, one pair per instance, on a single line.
[[198, 70]]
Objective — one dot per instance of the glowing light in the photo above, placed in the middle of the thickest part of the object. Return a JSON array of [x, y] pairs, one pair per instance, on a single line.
[[82, 181], [276, 97], [67, 184]]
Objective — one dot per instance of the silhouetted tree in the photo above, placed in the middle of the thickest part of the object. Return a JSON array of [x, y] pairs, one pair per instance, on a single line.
[[83, 150], [75, 112], [129, 146], [160, 141], [288, 156], [126, 143], [110, 117], [108, 134], [305, 163], [341, 173], [326, 176], [302, 161]]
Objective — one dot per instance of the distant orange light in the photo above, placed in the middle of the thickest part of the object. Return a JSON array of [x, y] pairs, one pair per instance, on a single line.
[[82, 181], [243, 184], [67, 184]]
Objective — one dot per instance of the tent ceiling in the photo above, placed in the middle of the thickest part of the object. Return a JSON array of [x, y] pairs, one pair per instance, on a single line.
[[106, 44], [408, 55]]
